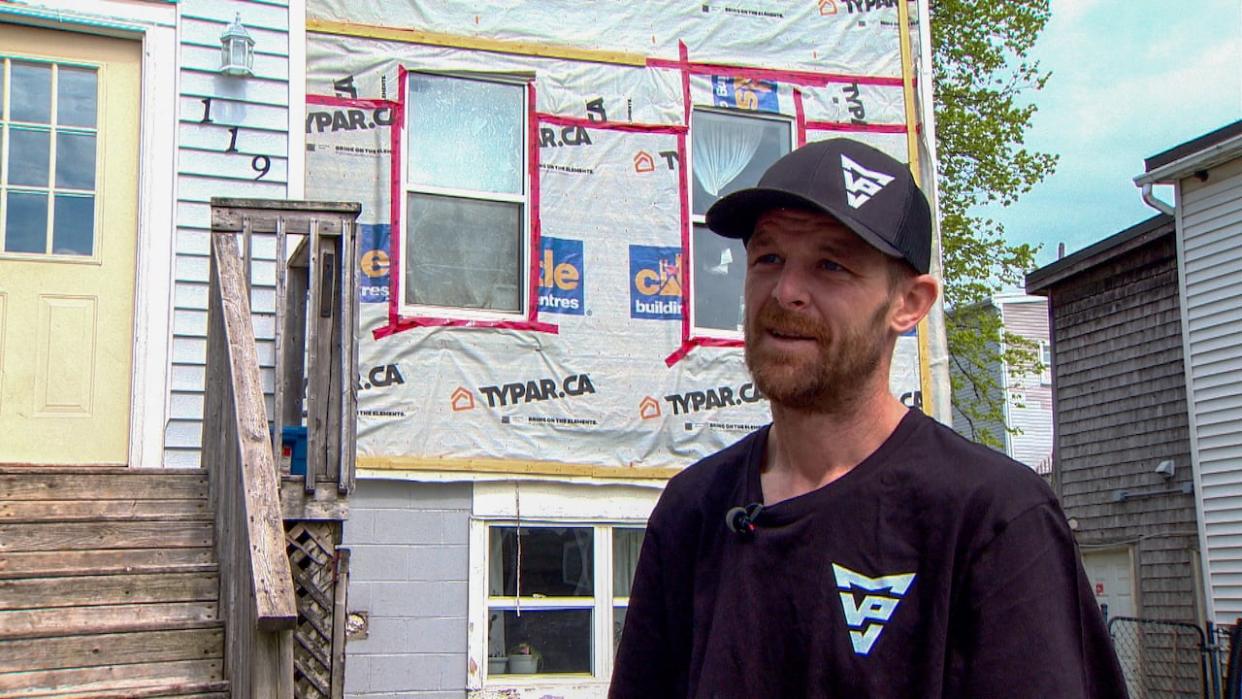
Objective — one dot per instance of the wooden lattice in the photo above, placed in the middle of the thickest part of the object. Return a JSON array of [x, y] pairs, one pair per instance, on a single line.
[[317, 566]]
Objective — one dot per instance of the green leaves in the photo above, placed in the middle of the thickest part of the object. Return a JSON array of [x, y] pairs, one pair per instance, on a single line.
[[981, 71]]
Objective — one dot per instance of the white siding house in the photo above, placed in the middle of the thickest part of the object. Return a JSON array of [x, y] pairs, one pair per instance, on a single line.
[[234, 141], [1206, 174], [1026, 394]]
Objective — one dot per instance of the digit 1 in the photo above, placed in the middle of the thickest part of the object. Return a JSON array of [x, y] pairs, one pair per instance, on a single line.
[[206, 110], [233, 141]]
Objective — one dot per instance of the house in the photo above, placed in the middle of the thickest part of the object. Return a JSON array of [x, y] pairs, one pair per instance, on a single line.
[[125, 569], [523, 399], [1025, 431], [1206, 176], [1122, 467]]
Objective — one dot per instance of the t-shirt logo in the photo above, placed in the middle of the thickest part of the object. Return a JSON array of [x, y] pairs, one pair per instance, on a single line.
[[866, 617], [860, 183]]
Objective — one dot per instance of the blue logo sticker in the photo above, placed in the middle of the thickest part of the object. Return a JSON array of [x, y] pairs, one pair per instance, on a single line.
[[560, 277], [744, 93], [655, 282], [373, 262]]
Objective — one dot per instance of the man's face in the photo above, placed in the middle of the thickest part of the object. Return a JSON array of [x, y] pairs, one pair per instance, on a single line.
[[817, 301]]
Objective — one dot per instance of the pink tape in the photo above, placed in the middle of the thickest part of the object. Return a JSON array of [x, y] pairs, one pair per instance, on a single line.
[[532, 312], [334, 101], [859, 128], [405, 324], [799, 117], [690, 343], [611, 125], [394, 201]]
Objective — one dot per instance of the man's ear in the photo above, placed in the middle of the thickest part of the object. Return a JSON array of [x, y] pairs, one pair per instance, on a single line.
[[913, 299]]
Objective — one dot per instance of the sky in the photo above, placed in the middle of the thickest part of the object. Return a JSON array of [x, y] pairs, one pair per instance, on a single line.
[[1130, 78]]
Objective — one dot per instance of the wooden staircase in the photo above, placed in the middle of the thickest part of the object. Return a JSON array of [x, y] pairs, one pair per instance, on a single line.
[[109, 584]]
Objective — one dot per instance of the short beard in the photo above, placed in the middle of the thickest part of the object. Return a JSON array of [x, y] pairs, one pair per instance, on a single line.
[[833, 382]]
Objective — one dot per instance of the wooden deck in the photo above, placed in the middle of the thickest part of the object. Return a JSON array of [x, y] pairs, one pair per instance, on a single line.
[[108, 584]]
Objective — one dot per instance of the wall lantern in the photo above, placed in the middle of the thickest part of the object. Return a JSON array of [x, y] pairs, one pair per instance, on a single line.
[[236, 50]]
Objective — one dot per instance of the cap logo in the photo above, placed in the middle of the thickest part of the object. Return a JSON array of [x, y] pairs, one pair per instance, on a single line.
[[860, 183]]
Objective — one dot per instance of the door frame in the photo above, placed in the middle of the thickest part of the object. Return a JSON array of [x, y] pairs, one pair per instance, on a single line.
[[154, 27]]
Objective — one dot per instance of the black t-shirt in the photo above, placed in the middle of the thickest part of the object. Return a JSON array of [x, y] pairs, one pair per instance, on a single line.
[[934, 568]]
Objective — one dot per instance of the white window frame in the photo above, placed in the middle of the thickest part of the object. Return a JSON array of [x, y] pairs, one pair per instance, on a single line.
[[53, 128], [523, 199], [701, 219], [604, 508], [1045, 358]]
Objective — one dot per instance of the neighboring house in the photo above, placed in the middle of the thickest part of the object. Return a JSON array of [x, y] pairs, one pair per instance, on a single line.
[[1206, 174], [127, 342], [1024, 393], [1122, 466]]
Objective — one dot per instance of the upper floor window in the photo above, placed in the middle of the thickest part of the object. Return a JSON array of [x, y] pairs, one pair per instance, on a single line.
[[1045, 358], [730, 150], [465, 195], [49, 136]]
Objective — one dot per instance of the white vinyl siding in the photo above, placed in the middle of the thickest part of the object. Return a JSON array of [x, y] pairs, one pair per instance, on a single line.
[[1028, 317], [1210, 248], [258, 107]]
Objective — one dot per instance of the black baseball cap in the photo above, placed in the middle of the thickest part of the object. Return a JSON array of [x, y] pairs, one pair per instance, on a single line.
[[869, 192]]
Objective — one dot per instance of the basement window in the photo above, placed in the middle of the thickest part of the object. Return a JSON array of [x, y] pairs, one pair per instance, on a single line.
[[556, 598]]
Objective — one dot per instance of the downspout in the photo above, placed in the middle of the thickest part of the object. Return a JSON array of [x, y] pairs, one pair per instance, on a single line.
[[1150, 199]]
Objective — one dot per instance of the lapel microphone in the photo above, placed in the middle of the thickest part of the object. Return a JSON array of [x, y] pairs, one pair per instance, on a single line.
[[741, 520]]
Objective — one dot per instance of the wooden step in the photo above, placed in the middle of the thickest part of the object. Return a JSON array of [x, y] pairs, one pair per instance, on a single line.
[[20, 511], [97, 590], [93, 650], [110, 678], [95, 484], [194, 690], [44, 564], [113, 618], [57, 536]]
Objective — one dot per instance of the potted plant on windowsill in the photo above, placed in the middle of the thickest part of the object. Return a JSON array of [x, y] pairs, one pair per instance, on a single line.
[[524, 659]]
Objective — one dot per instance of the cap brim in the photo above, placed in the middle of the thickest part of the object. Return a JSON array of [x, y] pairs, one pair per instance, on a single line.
[[735, 215]]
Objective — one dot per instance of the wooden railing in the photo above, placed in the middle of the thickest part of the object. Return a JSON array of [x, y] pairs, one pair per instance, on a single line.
[[257, 600], [316, 311], [259, 505]]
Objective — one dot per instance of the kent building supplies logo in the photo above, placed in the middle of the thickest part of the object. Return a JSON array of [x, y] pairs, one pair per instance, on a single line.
[[655, 282], [561, 283], [373, 262]]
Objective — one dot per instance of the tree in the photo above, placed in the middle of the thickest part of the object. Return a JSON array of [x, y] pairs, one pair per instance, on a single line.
[[981, 70]]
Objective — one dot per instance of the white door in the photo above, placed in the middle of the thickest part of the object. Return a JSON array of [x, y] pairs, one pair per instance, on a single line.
[[1112, 580]]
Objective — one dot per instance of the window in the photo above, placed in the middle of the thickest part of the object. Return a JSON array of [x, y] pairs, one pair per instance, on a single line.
[[553, 601], [48, 144], [729, 151], [1045, 358], [465, 198]]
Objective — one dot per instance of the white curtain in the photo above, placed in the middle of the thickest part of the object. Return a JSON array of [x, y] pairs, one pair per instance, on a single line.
[[721, 151]]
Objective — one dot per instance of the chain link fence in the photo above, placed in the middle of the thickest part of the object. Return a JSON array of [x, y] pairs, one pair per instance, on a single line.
[[1163, 659]]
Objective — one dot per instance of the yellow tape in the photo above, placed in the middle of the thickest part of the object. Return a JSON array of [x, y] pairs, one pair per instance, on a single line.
[[513, 468], [521, 48], [912, 149]]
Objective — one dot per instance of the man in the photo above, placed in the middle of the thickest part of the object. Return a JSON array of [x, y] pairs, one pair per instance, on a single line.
[[853, 548]]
